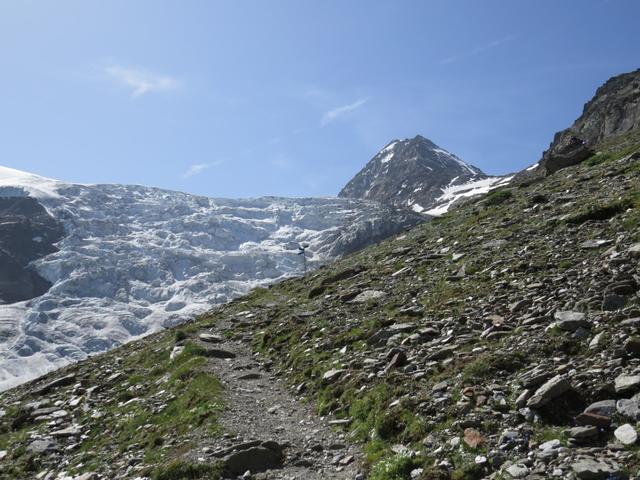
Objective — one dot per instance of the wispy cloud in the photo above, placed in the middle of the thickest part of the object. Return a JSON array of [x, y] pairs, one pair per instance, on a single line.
[[477, 50], [338, 112], [198, 168], [141, 81], [280, 161]]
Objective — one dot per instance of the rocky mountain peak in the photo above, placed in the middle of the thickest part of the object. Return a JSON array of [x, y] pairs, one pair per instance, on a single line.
[[418, 174]]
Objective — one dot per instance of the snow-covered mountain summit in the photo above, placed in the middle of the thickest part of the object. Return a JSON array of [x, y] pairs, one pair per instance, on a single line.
[[418, 174], [134, 259]]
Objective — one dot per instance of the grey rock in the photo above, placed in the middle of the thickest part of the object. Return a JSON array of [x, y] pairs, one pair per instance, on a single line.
[[592, 469], [218, 353], [613, 302], [369, 295], [603, 407], [210, 338], [634, 250], [627, 383], [583, 433], [332, 375], [58, 382], [518, 470], [550, 390], [571, 321], [43, 446], [629, 408], [626, 434], [255, 459]]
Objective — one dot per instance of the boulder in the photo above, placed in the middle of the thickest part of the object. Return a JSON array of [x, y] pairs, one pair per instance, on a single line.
[[255, 459], [626, 434], [629, 408], [591, 469], [547, 392], [332, 375], [627, 383]]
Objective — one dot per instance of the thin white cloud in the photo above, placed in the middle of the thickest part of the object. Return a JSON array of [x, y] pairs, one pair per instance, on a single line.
[[141, 81], [338, 112], [198, 168], [280, 161], [477, 50]]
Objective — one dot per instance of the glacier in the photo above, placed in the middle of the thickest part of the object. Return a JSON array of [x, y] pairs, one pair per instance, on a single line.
[[138, 259]]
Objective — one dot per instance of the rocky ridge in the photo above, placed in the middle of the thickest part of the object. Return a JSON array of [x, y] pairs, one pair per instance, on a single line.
[[611, 118], [418, 174]]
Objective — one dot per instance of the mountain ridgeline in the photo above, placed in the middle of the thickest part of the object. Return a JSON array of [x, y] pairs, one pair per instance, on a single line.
[[500, 340], [416, 173], [611, 118]]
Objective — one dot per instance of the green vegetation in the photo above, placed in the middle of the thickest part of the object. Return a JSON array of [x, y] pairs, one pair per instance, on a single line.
[[599, 158], [395, 468], [187, 401], [601, 212], [180, 470], [498, 197]]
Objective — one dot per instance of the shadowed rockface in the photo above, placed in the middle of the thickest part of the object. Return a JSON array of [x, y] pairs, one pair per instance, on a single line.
[[27, 233]]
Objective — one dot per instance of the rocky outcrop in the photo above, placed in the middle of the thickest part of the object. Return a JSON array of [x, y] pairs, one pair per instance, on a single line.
[[613, 111], [27, 233]]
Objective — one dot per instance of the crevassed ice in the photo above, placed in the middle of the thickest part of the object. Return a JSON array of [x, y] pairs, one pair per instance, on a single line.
[[137, 259]]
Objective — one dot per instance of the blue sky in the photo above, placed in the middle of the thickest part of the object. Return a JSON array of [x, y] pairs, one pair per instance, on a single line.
[[292, 97]]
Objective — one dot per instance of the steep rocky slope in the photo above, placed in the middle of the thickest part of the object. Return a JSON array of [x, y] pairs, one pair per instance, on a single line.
[[135, 259], [611, 117], [418, 174], [498, 341]]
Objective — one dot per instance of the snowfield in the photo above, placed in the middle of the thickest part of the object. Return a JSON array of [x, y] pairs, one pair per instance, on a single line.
[[454, 192], [137, 259]]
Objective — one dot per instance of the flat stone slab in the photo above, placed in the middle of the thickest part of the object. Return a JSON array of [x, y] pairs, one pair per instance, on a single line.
[[550, 390], [368, 295], [592, 469], [255, 459], [210, 338]]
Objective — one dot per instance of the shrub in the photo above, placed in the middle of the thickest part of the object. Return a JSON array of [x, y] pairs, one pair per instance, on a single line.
[[181, 470], [598, 158], [498, 197], [601, 212], [469, 472], [395, 468]]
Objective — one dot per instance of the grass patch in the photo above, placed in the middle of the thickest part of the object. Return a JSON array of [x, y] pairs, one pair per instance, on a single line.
[[395, 468], [601, 212], [180, 470], [498, 197]]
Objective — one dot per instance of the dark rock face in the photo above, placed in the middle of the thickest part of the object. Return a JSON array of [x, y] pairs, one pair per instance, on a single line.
[[410, 173], [27, 233], [613, 111]]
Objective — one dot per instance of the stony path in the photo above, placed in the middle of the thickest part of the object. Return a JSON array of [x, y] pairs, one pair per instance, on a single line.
[[260, 408]]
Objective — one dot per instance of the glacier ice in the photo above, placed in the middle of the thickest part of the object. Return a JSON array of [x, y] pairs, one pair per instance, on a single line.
[[137, 259]]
